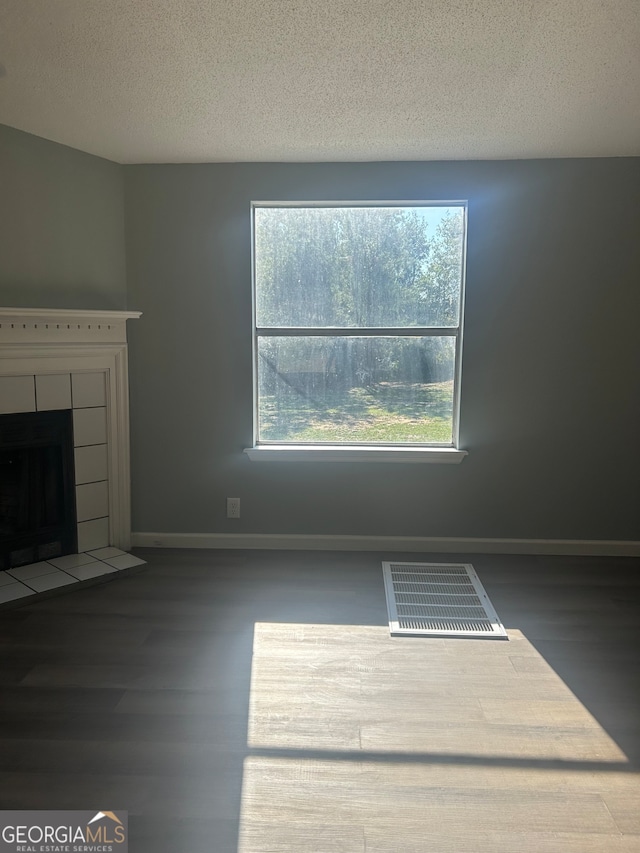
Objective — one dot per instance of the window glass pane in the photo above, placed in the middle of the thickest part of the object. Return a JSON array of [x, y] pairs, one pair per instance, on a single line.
[[358, 266], [395, 390]]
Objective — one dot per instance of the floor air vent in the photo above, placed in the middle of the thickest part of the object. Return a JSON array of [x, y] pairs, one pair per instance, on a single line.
[[439, 600]]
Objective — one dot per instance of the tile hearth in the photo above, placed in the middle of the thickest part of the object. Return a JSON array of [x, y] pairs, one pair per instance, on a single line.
[[62, 571]]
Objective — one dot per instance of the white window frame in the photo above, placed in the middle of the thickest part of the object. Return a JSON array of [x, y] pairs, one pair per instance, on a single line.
[[273, 451]]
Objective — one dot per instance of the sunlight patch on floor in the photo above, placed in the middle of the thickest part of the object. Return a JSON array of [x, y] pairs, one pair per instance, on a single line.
[[354, 687], [359, 741]]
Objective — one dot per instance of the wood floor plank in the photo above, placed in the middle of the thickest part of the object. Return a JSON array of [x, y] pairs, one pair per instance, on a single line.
[[187, 759], [149, 702], [355, 800], [624, 807], [141, 795], [35, 704], [415, 840], [117, 728]]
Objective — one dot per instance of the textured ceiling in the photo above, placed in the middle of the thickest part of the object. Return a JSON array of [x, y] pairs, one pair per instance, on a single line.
[[294, 80]]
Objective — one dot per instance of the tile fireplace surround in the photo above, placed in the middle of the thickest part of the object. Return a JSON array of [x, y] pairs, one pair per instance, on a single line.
[[69, 359]]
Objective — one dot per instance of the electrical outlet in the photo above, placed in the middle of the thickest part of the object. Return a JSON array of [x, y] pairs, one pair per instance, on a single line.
[[233, 507]]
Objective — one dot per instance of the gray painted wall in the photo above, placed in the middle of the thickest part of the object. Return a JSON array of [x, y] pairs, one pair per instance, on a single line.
[[550, 400], [61, 226]]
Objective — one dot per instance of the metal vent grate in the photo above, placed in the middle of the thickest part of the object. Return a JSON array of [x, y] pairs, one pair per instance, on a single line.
[[439, 600]]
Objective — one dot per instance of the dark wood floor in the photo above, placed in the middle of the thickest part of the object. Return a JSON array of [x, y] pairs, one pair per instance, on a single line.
[[254, 702]]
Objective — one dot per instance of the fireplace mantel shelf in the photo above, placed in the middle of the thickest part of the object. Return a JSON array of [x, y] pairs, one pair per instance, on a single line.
[[62, 325], [72, 313]]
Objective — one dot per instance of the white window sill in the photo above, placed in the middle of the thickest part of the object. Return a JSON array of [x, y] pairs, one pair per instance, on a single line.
[[329, 453]]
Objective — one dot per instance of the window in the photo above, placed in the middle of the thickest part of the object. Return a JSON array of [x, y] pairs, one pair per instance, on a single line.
[[357, 334]]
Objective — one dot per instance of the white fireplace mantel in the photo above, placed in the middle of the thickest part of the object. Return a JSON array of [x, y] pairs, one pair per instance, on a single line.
[[59, 325], [75, 359]]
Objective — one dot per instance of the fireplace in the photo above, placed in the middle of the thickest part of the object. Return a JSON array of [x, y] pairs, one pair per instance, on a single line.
[[37, 487], [63, 371]]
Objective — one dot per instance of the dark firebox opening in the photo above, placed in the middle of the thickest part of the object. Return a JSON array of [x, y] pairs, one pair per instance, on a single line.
[[37, 493]]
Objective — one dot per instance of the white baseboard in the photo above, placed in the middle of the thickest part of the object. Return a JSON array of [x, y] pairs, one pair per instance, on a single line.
[[418, 544]]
